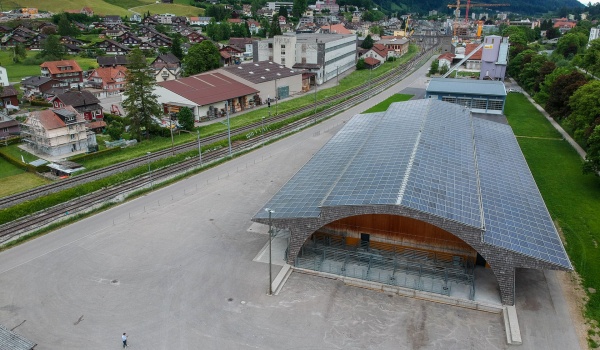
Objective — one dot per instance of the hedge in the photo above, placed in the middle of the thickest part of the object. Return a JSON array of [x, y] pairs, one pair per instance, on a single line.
[[87, 156]]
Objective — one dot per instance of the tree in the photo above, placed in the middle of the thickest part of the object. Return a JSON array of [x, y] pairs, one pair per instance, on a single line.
[[115, 130], [591, 58], [560, 92], [18, 53], [592, 158], [299, 7], [444, 69], [360, 64], [52, 49], [140, 103], [585, 107], [186, 118], [367, 43], [435, 65], [570, 44], [552, 33], [201, 58], [218, 12], [212, 29], [224, 31], [283, 12], [275, 28], [65, 27]]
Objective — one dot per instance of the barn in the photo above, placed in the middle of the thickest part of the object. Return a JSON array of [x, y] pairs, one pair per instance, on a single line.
[[419, 196]]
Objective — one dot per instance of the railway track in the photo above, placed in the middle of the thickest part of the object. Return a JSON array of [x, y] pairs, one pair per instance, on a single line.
[[81, 204]]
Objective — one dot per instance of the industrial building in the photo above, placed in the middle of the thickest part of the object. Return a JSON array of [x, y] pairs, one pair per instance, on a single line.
[[480, 96], [325, 55], [419, 196], [494, 58]]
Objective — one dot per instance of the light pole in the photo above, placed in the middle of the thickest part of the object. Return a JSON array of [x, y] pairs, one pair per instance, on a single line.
[[270, 283], [315, 99], [149, 171], [262, 130], [171, 128], [228, 126], [337, 77], [276, 96], [199, 147]]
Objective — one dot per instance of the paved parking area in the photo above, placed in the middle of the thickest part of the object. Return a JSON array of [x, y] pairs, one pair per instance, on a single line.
[[175, 270]]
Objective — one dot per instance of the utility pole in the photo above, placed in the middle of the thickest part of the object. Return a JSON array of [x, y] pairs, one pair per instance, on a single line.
[[276, 96], [228, 126], [337, 77], [270, 236], [171, 128], [315, 99], [199, 147]]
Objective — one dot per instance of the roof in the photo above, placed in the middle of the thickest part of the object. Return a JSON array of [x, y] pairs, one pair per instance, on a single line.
[[10, 340], [35, 81], [112, 60], [96, 124], [433, 157], [53, 66], [78, 98], [306, 66], [446, 56], [380, 49], [371, 61], [8, 90], [240, 42], [466, 86], [392, 40], [107, 74], [477, 55], [336, 28], [168, 58], [208, 88], [261, 72], [50, 119], [322, 38]]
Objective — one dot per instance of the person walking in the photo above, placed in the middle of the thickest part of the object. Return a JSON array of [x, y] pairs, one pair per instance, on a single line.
[[124, 338]]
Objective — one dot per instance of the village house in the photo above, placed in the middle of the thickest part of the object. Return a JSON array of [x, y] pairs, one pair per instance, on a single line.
[[112, 47], [8, 97], [40, 87], [109, 80], [65, 70], [8, 126], [83, 101], [56, 132]]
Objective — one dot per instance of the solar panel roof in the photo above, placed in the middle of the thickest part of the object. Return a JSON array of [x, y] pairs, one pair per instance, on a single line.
[[433, 157]]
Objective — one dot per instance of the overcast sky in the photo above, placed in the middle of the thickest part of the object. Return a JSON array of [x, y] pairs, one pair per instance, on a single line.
[[586, 2]]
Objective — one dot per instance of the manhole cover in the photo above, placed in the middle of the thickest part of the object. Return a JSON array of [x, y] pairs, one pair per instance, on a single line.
[[230, 299], [114, 281]]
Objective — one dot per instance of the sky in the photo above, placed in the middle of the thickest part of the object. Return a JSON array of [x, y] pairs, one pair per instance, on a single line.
[[586, 2]]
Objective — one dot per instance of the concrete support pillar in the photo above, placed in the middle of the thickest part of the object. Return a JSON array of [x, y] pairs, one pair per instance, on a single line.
[[506, 282]]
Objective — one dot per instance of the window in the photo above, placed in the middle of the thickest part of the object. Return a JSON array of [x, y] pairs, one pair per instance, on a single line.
[[495, 105], [72, 136], [478, 103], [449, 99]]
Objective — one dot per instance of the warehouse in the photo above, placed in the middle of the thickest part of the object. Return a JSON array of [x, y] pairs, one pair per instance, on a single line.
[[418, 197], [480, 96]]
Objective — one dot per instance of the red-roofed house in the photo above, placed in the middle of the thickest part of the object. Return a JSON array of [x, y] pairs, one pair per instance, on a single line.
[[109, 80], [204, 94], [378, 52], [56, 132], [65, 70], [335, 29], [474, 62], [445, 59], [564, 26]]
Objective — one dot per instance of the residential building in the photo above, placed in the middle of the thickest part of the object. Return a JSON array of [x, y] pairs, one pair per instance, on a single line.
[[195, 37], [396, 46], [112, 47], [166, 18], [111, 80], [65, 70], [136, 17], [8, 97], [446, 59], [56, 132], [167, 67], [272, 80], [111, 61], [474, 62], [378, 52], [3, 77], [594, 34], [83, 101], [326, 55], [276, 5], [40, 87], [112, 20], [8, 126]]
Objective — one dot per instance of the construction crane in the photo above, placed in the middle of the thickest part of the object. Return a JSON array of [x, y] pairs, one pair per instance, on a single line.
[[468, 5]]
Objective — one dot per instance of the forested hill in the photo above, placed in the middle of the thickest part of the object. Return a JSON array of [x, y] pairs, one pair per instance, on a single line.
[[526, 7]]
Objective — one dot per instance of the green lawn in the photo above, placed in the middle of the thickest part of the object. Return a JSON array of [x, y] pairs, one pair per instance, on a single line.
[[384, 105], [176, 9], [18, 71], [100, 7], [16, 153], [571, 197], [8, 169]]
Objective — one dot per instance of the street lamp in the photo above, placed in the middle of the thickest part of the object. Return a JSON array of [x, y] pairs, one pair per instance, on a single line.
[[199, 147], [262, 130], [228, 126], [149, 171], [276, 96], [270, 279], [315, 99], [171, 128]]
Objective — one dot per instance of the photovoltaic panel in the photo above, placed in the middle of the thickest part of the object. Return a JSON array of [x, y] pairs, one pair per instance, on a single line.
[[515, 214], [443, 175]]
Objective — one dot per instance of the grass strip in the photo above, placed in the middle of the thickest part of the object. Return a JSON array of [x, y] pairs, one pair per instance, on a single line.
[[571, 196]]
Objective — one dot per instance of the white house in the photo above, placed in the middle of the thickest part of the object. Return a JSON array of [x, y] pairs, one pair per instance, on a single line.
[[3, 77]]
